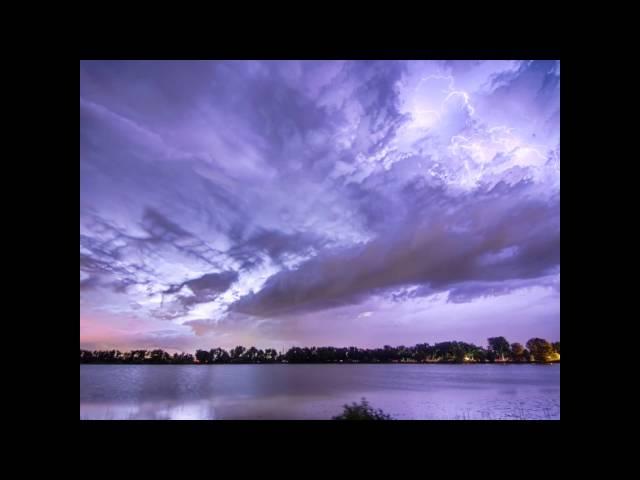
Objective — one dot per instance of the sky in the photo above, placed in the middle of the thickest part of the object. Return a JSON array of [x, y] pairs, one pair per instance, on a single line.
[[280, 203]]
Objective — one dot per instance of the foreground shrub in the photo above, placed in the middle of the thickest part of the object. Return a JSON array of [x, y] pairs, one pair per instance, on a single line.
[[362, 411]]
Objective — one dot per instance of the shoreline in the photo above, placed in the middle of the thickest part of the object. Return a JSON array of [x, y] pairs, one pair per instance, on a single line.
[[325, 363]]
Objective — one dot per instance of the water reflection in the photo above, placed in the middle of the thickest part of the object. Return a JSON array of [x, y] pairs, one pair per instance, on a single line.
[[185, 392]]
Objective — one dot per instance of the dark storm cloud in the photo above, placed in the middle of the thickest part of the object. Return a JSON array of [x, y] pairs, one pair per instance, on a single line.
[[88, 283], [162, 230], [277, 245], [468, 291], [500, 242], [379, 99], [205, 288], [114, 254]]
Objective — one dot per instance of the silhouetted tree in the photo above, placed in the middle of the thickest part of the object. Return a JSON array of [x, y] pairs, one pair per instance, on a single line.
[[479, 354], [159, 356], [517, 352], [500, 346], [203, 356], [251, 355], [219, 355], [236, 353], [541, 350], [270, 355]]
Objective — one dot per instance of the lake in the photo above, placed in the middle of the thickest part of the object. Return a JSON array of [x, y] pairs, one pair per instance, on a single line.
[[306, 392]]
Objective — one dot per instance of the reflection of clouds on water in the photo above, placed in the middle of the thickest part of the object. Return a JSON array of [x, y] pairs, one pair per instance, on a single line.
[[190, 412], [251, 392], [203, 410], [325, 408]]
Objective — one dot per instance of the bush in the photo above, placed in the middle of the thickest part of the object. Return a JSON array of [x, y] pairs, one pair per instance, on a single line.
[[362, 411]]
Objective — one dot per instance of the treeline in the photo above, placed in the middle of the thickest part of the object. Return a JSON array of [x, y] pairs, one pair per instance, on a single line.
[[498, 350]]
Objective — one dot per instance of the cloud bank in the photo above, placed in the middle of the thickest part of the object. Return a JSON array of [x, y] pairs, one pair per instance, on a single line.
[[278, 202]]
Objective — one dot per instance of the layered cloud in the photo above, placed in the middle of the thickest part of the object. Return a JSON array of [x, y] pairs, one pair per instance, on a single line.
[[222, 201]]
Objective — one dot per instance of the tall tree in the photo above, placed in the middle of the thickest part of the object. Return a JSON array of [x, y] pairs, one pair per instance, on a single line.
[[517, 352], [203, 356], [500, 346], [219, 355], [541, 350], [236, 353], [250, 355]]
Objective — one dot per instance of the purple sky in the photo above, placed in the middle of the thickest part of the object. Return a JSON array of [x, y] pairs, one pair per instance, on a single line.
[[318, 203]]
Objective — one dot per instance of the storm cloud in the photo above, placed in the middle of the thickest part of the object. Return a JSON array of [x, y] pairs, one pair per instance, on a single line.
[[277, 201]]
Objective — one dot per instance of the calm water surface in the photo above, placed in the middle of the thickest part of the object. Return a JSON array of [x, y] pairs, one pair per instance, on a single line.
[[181, 392]]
